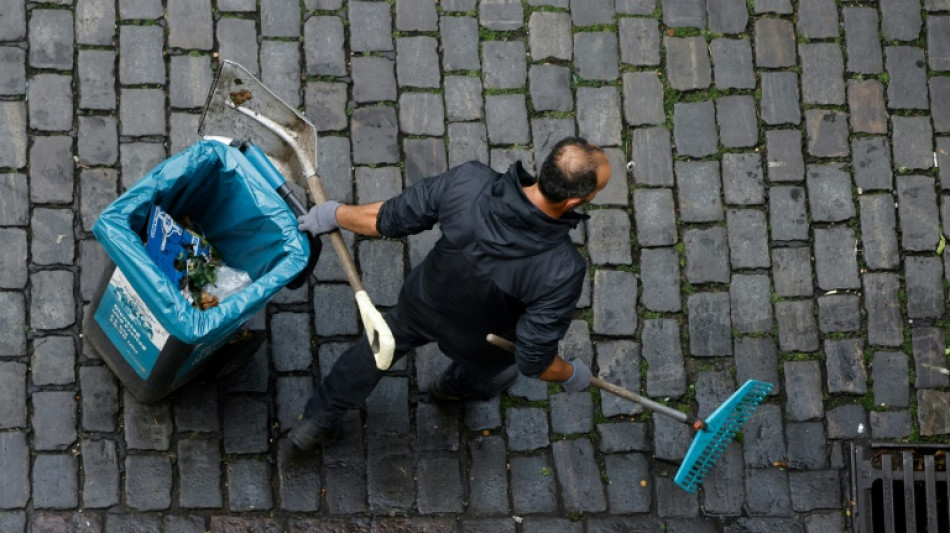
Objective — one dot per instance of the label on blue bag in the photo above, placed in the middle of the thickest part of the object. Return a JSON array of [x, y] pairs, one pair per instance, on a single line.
[[130, 325]]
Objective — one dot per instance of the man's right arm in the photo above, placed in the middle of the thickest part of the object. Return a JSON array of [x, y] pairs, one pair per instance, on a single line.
[[359, 218]]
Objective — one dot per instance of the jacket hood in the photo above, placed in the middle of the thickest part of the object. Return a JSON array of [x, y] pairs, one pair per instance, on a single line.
[[509, 225]]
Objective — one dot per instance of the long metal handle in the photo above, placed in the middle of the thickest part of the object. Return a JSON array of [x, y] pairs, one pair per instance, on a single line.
[[618, 391], [339, 246]]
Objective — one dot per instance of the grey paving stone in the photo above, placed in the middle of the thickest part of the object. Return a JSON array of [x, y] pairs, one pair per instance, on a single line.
[[527, 429], [724, 486], [374, 133], [148, 482], [190, 25], [100, 398], [280, 70], [598, 115], [51, 171], [742, 179], [803, 389], [609, 234], [838, 313], [348, 450], [943, 162], [15, 458], [625, 492], [738, 124], [483, 414], [467, 142], [13, 338], [533, 390], [862, 40], [751, 303], [98, 141], [756, 359], [822, 72], [290, 341], [550, 91], [878, 231], [377, 184], [619, 363], [13, 61], [248, 486], [14, 140], [847, 422], [690, 13], [707, 257], [141, 60], [917, 212], [504, 64], [97, 190], [147, 426], [463, 98], [639, 41], [333, 158], [506, 116], [889, 372], [137, 159], [623, 437], [631, 7], [416, 15], [791, 270], [504, 15], [421, 114], [659, 270], [440, 485], [593, 13], [694, 129], [237, 41], [462, 51], [228, 523], [488, 484], [185, 524], [932, 414], [50, 102], [652, 157], [670, 439], [748, 238], [712, 389], [815, 490], [417, 62], [613, 293], [655, 218], [190, 80], [872, 163], [924, 286], [95, 22], [52, 361], [643, 98], [370, 27], [13, 26], [141, 112], [845, 366], [762, 525], [797, 330], [710, 331], [323, 38], [595, 56], [196, 407], [143, 9], [424, 158], [533, 486], [52, 305], [780, 97], [883, 309], [55, 482], [698, 185], [890, 424], [938, 42], [687, 63], [666, 376], [199, 470], [836, 264], [672, 505], [546, 132], [939, 107], [764, 437], [387, 409], [732, 59], [775, 46], [549, 36], [13, 270], [727, 16], [767, 493], [900, 20], [440, 431], [458, 5], [572, 413], [787, 210], [292, 395], [866, 102], [912, 141], [100, 467], [784, 160], [324, 5], [907, 86], [53, 237], [326, 101], [928, 345], [818, 20], [579, 476], [51, 39]]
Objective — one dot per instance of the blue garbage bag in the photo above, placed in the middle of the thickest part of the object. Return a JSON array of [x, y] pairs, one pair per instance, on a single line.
[[232, 205]]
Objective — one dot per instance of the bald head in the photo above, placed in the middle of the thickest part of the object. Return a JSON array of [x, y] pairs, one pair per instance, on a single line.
[[570, 170]]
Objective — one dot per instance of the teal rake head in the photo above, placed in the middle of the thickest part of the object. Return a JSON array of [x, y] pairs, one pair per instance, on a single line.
[[721, 427]]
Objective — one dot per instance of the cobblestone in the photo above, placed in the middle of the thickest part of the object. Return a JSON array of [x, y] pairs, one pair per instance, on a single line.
[[899, 20], [784, 156], [533, 487], [839, 313], [687, 63], [907, 86], [862, 41], [732, 60], [660, 272], [787, 214], [643, 98], [55, 481], [578, 476], [595, 55], [652, 157], [707, 257], [803, 387], [655, 219]]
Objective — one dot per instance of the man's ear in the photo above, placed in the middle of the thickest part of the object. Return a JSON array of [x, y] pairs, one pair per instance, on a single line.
[[571, 203]]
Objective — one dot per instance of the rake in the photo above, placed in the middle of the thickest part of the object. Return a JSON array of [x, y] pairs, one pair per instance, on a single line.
[[713, 434]]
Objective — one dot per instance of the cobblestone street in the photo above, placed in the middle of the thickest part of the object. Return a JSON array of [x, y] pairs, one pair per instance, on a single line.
[[781, 176]]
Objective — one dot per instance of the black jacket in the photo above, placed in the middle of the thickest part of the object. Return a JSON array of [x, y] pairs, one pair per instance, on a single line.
[[501, 266]]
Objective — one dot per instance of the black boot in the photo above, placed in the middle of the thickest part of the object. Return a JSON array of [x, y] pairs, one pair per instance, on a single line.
[[307, 435]]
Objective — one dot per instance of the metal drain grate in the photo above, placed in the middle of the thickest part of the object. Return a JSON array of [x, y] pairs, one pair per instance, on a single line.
[[900, 489]]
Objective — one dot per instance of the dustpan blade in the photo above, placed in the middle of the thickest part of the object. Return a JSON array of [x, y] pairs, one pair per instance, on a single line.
[[721, 426]]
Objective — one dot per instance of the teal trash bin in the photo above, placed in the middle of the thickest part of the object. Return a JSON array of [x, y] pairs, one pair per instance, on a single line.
[[138, 321]]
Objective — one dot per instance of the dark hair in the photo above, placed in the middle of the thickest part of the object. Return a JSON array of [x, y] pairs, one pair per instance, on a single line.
[[570, 170]]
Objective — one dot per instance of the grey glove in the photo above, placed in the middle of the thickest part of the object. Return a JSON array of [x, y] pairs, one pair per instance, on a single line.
[[580, 379], [320, 219]]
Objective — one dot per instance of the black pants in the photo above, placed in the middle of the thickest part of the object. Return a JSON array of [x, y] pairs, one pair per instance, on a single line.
[[354, 375]]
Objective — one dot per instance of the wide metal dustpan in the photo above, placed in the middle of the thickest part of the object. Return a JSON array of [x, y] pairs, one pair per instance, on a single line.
[[239, 106]]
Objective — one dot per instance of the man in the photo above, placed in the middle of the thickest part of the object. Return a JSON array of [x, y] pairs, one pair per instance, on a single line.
[[505, 264]]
